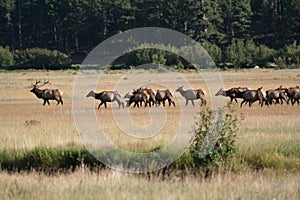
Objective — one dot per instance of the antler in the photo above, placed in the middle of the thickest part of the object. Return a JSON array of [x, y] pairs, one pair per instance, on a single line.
[[37, 82]]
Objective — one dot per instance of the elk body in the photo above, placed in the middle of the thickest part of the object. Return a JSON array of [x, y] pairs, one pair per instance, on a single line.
[[250, 96], [47, 94], [294, 94], [233, 93], [277, 95], [162, 96], [149, 94], [191, 95], [107, 96], [137, 99]]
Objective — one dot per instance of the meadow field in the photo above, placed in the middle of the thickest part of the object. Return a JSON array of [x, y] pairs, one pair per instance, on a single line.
[[268, 141]]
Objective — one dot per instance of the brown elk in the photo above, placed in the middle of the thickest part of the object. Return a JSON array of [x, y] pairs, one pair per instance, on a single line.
[[294, 94], [162, 96], [47, 94], [149, 94], [107, 96], [191, 95], [233, 93], [137, 99], [277, 95], [250, 96]]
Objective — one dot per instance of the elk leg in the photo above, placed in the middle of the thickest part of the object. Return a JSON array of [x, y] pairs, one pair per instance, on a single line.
[[48, 102], [235, 100], [193, 102], [173, 103], [242, 103], [250, 103], [100, 105], [186, 102], [61, 101], [293, 101]]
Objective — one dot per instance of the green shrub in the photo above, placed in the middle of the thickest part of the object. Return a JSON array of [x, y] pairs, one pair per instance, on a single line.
[[6, 58], [289, 56], [215, 138], [41, 59]]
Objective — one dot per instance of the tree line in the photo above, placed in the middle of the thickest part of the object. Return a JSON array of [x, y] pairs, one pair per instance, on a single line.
[[74, 27]]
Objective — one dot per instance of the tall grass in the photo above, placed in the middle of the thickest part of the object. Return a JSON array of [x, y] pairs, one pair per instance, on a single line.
[[108, 184], [268, 141]]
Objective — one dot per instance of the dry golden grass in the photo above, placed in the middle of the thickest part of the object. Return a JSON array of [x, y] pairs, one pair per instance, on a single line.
[[25, 124], [115, 185], [56, 127]]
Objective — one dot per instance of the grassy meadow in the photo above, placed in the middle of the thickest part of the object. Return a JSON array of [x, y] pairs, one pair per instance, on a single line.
[[268, 141]]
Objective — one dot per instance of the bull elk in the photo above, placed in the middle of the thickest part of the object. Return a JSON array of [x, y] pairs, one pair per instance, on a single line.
[[47, 94]]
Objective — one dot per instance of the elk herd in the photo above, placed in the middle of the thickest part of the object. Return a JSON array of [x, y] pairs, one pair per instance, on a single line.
[[269, 97], [148, 97]]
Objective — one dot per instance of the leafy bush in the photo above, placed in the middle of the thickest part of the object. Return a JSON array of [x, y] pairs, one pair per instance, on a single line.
[[6, 58], [289, 56], [215, 138], [247, 54], [41, 59]]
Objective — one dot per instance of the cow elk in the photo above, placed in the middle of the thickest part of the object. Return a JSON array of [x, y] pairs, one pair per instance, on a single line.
[[191, 95], [137, 99], [107, 96], [47, 94], [162, 95], [233, 93], [250, 96], [277, 95], [148, 92], [294, 94]]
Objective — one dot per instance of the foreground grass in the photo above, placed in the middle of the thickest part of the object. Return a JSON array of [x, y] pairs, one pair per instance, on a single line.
[[107, 184], [269, 140]]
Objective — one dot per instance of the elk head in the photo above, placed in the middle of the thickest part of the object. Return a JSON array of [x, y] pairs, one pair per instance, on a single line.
[[37, 86]]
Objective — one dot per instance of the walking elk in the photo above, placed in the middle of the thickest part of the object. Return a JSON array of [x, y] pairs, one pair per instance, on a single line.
[[191, 95], [47, 94], [107, 96]]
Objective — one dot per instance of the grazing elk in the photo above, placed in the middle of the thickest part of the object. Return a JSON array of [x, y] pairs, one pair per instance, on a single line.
[[277, 95], [250, 96], [149, 94], [191, 95], [47, 94], [137, 99], [162, 96], [294, 94], [233, 93], [107, 96]]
